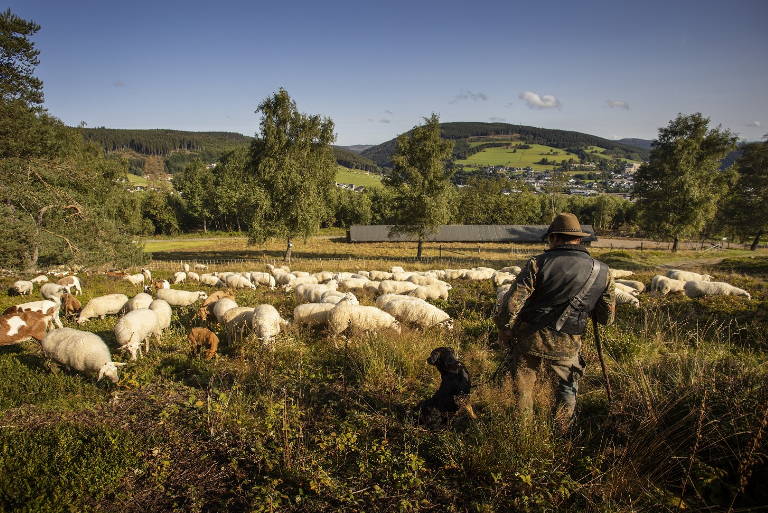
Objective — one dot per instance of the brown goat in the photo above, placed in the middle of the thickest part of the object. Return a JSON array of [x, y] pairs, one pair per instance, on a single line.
[[204, 339]]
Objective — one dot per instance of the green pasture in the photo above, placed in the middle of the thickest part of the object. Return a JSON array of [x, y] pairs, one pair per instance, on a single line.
[[345, 175], [516, 157], [135, 179]]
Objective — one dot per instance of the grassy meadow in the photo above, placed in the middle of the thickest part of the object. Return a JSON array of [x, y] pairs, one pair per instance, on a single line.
[[516, 157], [314, 424], [357, 177]]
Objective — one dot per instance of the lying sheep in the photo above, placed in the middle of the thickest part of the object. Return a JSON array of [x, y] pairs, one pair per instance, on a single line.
[[417, 313], [623, 297], [45, 307], [135, 279], [163, 311], [695, 289], [177, 297], [365, 318], [666, 285], [379, 275], [618, 273], [312, 314], [21, 326], [626, 289], [437, 290], [140, 300], [676, 274], [23, 287], [102, 306], [638, 286], [266, 323], [53, 291], [137, 326], [81, 350], [204, 339]]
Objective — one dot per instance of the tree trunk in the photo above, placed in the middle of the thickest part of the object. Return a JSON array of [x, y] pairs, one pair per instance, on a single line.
[[756, 242], [418, 251], [205, 226], [288, 251], [674, 244]]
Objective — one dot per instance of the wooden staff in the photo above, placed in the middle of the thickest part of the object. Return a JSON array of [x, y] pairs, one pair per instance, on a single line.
[[602, 361]]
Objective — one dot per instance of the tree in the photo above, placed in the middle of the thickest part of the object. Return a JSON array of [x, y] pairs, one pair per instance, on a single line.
[[747, 208], [678, 189], [421, 181], [294, 171], [18, 59], [196, 188]]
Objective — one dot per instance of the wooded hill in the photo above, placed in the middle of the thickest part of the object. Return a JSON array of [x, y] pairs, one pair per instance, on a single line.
[[492, 134]]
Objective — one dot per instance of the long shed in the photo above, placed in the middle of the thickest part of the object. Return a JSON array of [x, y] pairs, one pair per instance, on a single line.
[[463, 233]]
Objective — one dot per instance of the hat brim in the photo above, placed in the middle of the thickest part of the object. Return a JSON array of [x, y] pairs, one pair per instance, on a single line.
[[559, 232]]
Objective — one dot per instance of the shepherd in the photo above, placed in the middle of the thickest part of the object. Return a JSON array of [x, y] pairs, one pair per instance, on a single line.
[[544, 313]]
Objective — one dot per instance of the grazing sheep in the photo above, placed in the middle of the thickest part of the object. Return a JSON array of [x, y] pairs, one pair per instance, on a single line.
[[396, 287], [266, 322], [334, 296], [206, 310], [201, 267], [137, 326], [53, 291], [677, 274], [140, 300], [163, 311], [179, 277], [366, 318], [219, 294], [193, 277], [23, 287], [422, 280], [312, 292], [478, 274], [695, 289], [135, 279], [437, 290], [211, 280], [639, 286], [161, 284], [513, 269], [260, 278], [666, 285], [354, 284], [185, 267], [403, 276], [21, 326], [623, 297], [618, 273], [177, 297], [220, 308], [102, 306], [235, 281], [48, 308], [40, 279], [627, 289], [236, 320], [81, 350], [379, 275], [283, 278], [500, 278], [323, 276], [298, 280], [417, 313], [396, 269], [204, 339], [312, 314], [454, 274], [272, 269], [372, 286]]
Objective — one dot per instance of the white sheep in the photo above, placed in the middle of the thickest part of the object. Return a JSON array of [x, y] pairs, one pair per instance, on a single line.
[[177, 297], [366, 318], [179, 277], [102, 306], [677, 274], [638, 286], [235, 281], [513, 269], [396, 269], [396, 287], [266, 322], [618, 273], [666, 285], [236, 320], [201, 267], [695, 289], [81, 350], [135, 279], [623, 297], [404, 275], [379, 275], [334, 296], [137, 326], [437, 290], [298, 280], [71, 282], [500, 278], [185, 267], [627, 289], [261, 278], [372, 286], [163, 311], [140, 300], [221, 306], [323, 276], [417, 313], [40, 279], [53, 291], [478, 274], [23, 287], [454, 274], [193, 277], [211, 280], [312, 292], [283, 278], [354, 284], [312, 314]]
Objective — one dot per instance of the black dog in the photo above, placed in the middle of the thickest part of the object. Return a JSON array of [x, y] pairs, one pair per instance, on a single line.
[[453, 392]]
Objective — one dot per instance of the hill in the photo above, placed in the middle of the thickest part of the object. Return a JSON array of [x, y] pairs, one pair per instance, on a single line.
[[474, 137], [640, 143]]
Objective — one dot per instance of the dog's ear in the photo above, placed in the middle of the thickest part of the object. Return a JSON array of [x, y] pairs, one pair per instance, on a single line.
[[435, 356]]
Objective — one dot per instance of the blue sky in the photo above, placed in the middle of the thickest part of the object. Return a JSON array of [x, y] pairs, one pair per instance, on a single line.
[[612, 69]]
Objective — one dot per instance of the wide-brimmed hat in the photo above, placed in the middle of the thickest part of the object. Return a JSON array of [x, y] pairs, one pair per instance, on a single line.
[[566, 224]]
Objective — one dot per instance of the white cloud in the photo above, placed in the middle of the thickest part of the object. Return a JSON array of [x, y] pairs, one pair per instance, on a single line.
[[468, 95], [496, 119], [755, 124], [535, 101], [617, 103]]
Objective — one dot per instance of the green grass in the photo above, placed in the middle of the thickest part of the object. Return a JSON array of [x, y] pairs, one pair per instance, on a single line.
[[344, 175], [521, 158], [136, 180], [316, 424]]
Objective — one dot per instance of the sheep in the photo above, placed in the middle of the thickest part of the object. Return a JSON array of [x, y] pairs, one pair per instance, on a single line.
[[334, 296], [102, 306], [137, 326], [513, 269], [23, 287], [205, 339], [25, 325], [161, 284], [627, 289], [193, 276], [221, 306], [396, 287], [372, 286], [478, 274], [185, 267], [666, 285], [618, 273], [147, 274], [260, 278], [323, 276], [418, 313], [135, 279], [163, 311], [677, 274], [219, 294], [623, 297], [298, 280], [396, 269], [312, 313], [235, 281], [81, 350], [437, 290], [40, 279], [500, 278], [272, 269], [211, 280], [140, 300], [53, 291], [354, 284], [366, 318], [266, 322], [179, 277], [695, 289], [236, 320], [283, 278], [312, 292], [638, 286], [48, 308], [454, 274], [206, 310], [404, 275], [177, 297], [379, 275], [383, 299]]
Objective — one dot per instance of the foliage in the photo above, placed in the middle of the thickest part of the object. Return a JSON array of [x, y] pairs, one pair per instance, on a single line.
[[352, 160], [746, 206], [421, 182], [18, 59], [196, 188], [678, 189]]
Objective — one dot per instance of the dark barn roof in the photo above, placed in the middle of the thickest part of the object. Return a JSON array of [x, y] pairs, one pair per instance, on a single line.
[[463, 233]]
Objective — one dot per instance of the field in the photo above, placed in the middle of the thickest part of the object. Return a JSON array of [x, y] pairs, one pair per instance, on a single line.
[[512, 157], [316, 424], [344, 175]]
